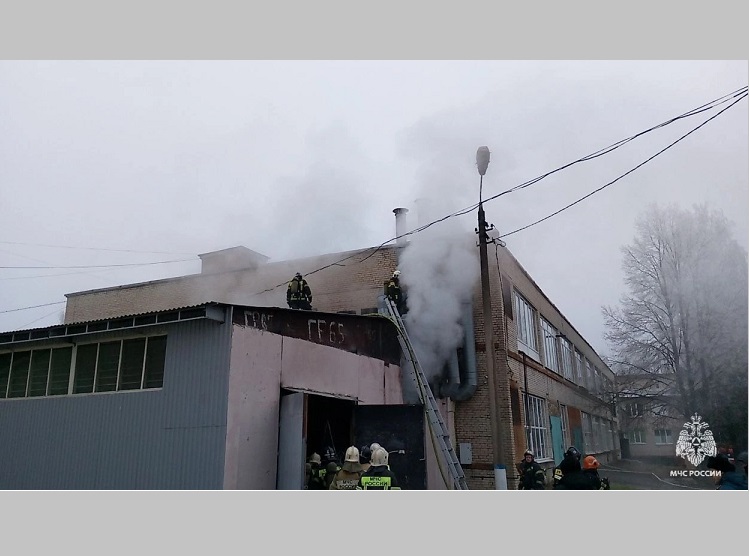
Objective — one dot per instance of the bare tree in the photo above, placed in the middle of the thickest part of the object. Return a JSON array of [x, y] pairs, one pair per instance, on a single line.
[[680, 334]]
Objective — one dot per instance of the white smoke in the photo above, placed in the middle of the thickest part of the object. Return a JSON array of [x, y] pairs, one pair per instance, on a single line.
[[439, 272]]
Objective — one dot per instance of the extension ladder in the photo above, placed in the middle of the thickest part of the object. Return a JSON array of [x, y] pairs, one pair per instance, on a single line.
[[434, 417]]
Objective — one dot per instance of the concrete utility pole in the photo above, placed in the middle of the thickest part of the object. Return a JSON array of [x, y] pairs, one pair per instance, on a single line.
[[498, 457]]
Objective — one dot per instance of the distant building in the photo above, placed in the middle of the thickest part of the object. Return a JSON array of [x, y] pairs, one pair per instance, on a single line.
[[649, 424]]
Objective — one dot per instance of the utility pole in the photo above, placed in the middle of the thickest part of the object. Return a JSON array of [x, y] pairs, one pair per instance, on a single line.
[[498, 457]]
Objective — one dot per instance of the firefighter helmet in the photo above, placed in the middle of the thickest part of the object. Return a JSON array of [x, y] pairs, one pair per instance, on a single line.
[[380, 456], [573, 452], [396, 273], [590, 462], [352, 454], [365, 453], [528, 453], [373, 447], [298, 275], [315, 458]]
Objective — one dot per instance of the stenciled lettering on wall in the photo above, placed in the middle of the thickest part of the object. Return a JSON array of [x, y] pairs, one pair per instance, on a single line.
[[257, 319], [319, 331]]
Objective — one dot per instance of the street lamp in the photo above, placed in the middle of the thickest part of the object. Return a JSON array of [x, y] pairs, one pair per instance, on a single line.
[[500, 470]]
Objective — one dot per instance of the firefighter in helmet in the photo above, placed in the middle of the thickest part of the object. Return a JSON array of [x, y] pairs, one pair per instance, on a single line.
[[531, 473], [378, 476], [298, 293], [316, 473], [590, 471], [395, 293], [347, 477]]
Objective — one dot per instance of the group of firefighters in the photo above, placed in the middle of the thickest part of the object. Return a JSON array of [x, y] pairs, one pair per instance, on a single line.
[[365, 469], [570, 474], [368, 468], [299, 294]]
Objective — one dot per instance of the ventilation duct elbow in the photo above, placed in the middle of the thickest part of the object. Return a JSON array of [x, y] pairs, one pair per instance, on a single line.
[[469, 377]]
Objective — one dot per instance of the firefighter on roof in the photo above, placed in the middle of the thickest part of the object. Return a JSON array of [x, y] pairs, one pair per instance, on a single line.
[[299, 294]]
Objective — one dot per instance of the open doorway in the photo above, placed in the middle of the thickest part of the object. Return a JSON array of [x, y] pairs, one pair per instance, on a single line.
[[329, 425]]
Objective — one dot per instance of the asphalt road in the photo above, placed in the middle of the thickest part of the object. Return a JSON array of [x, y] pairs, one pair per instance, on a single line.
[[635, 475]]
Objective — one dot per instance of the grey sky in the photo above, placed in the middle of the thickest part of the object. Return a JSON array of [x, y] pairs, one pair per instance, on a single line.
[[299, 158]]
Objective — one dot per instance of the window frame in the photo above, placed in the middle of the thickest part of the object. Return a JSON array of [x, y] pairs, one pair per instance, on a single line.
[[56, 354], [525, 324], [637, 436], [537, 427], [668, 437], [549, 333]]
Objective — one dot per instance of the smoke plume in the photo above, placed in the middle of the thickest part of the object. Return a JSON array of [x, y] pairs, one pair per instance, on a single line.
[[439, 271]]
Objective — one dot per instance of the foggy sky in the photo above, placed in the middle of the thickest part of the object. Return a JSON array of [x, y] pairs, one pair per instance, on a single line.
[[295, 159]]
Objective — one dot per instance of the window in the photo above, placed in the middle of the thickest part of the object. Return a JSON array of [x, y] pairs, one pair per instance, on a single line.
[[131, 364], [525, 319], [597, 438], [536, 427], [567, 361], [589, 376], [598, 388], [636, 436], [579, 368], [587, 432], [633, 409], [550, 345], [34, 373], [610, 436], [663, 436]]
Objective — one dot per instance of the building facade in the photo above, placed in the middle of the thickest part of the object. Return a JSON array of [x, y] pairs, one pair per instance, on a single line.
[[212, 396], [552, 388]]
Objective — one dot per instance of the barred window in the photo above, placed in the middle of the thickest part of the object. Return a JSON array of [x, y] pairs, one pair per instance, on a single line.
[[537, 430]]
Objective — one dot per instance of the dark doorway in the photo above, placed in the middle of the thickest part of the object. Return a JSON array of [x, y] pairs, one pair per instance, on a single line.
[[397, 428], [329, 424], [626, 454]]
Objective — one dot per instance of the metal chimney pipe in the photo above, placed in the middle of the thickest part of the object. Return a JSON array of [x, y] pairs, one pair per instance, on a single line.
[[400, 226]]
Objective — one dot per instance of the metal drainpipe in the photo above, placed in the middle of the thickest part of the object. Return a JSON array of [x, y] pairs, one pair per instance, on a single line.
[[469, 382], [525, 401]]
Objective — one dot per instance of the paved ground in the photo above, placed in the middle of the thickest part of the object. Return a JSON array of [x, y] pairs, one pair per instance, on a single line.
[[628, 474]]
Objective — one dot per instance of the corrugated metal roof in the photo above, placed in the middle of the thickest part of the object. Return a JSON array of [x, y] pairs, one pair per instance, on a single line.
[[117, 322]]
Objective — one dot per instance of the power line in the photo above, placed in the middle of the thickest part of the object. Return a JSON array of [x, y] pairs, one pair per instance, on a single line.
[[50, 275], [625, 173], [32, 307], [95, 248], [740, 93], [97, 266], [25, 326], [707, 106]]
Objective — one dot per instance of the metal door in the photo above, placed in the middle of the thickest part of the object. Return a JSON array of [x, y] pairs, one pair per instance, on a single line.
[[291, 445], [557, 439]]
